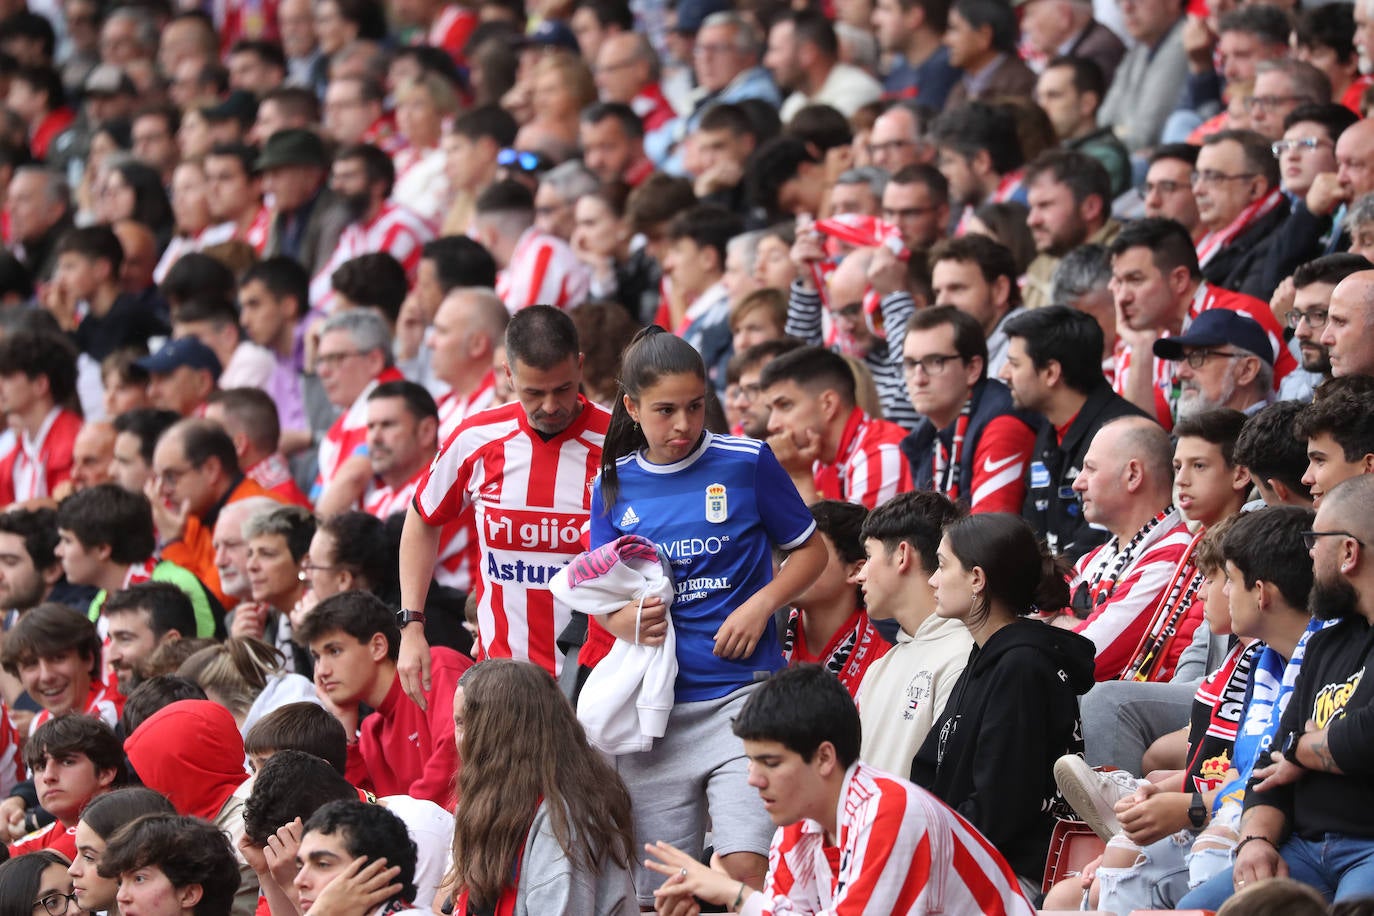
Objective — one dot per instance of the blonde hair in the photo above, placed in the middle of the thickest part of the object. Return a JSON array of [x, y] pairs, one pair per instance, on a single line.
[[576, 75], [439, 90], [234, 671]]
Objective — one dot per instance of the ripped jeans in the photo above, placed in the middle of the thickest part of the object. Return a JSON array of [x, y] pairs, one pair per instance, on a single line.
[[1163, 871]]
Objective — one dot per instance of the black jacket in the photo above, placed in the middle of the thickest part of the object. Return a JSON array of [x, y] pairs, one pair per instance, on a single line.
[[1335, 692], [1242, 265], [1012, 714], [1052, 507]]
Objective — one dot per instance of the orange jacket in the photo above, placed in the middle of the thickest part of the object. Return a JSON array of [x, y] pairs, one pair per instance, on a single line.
[[195, 550]]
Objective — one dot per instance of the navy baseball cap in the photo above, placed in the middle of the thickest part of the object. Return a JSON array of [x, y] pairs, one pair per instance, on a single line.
[[551, 33], [692, 13], [1219, 328], [184, 351]]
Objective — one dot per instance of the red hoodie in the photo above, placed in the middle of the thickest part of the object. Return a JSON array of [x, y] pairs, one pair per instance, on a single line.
[[191, 752], [405, 750]]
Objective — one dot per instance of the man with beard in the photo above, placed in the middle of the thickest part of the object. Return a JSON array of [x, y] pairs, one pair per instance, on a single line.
[[1054, 369], [362, 179], [1305, 812], [1070, 197], [30, 572], [142, 618], [1224, 359], [745, 394], [1312, 286]]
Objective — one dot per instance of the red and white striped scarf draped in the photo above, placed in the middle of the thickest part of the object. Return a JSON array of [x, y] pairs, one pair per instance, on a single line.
[[1213, 242]]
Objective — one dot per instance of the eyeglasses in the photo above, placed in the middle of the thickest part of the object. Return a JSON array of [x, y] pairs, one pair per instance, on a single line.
[[333, 360], [893, 215], [747, 392], [307, 568], [56, 904], [521, 159], [1306, 144], [1207, 176], [890, 146], [1198, 358], [932, 365], [851, 311], [1309, 538], [705, 50], [1271, 102], [170, 477], [1315, 318], [1163, 187]]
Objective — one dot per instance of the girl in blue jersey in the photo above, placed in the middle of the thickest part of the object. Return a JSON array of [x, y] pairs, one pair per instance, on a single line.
[[718, 507]]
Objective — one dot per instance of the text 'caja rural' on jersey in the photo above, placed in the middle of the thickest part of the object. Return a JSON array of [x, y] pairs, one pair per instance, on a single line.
[[530, 498], [717, 514]]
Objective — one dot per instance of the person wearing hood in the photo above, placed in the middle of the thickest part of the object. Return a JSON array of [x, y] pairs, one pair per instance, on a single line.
[[1014, 710], [191, 751]]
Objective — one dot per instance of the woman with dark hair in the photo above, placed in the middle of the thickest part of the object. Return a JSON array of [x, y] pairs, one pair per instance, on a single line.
[[605, 330], [135, 191], [37, 885], [601, 240], [1014, 710], [351, 550], [544, 826], [99, 821], [1005, 224]]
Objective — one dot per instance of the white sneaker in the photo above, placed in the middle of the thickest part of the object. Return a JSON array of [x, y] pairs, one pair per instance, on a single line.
[[1094, 793]]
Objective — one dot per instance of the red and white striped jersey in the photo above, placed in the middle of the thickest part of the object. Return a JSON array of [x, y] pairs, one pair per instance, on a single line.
[[450, 30], [11, 759], [1205, 298], [531, 503], [347, 436], [103, 701], [398, 231], [901, 851], [1118, 622], [34, 467], [255, 235], [869, 467], [543, 271], [455, 540], [454, 408]]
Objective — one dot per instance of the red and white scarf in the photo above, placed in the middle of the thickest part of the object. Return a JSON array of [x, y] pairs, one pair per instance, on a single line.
[[1211, 243]]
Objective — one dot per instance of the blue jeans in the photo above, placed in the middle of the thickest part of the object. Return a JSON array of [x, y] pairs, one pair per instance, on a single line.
[[1338, 866]]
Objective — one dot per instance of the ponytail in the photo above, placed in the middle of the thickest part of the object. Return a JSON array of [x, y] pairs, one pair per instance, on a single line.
[[652, 354], [1021, 573]]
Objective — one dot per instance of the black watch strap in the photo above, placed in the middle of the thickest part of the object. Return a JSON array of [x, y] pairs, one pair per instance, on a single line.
[[404, 617], [1197, 811]]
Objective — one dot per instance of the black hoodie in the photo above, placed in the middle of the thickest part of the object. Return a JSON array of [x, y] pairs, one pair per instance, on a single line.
[[1012, 714]]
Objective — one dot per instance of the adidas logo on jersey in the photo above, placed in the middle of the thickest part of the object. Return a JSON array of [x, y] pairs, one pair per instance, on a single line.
[[629, 518]]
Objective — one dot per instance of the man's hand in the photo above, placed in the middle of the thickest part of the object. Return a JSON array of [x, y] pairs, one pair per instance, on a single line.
[[12, 818], [1281, 303], [1326, 194], [652, 617], [413, 664], [807, 250], [280, 853], [1257, 861], [359, 889], [1198, 44], [1279, 773], [796, 459], [724, 174], [886, 272], [410, 328], [60, 302], [168, 518]]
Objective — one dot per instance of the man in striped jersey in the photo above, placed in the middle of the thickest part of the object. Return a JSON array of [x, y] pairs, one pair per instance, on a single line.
[[525, 471], [534, 266], [1126, 485], [901, 851], [830, 448]]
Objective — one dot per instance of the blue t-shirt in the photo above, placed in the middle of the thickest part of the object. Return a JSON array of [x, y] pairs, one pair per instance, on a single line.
[[717, 514]]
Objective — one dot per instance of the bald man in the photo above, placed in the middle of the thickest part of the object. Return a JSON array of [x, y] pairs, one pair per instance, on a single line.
[[1126, 486], [1349, 318], [1315, 795], [468, 327], [895, 141], [92, 452], [1354, 175]]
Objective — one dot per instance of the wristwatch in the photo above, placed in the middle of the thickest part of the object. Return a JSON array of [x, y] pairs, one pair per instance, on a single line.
[[404, 617], [1290, 748], [1197, 812]]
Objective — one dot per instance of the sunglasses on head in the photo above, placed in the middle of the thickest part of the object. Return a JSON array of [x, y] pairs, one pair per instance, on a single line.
[[522, 160]]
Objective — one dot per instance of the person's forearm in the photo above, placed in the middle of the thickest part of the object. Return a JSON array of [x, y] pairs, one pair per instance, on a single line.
[[1263, 821], [1314, 752], [1140, 388], [346, 490], [798, 571], [419, 548]]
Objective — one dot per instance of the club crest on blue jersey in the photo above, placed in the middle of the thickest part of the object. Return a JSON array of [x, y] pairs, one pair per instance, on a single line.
[[716, 508]]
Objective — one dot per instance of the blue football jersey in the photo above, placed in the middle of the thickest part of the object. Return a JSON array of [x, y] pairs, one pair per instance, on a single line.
[[717, 514]]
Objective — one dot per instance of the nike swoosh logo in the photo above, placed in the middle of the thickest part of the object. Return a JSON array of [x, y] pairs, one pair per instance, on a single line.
[[992, 467]]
